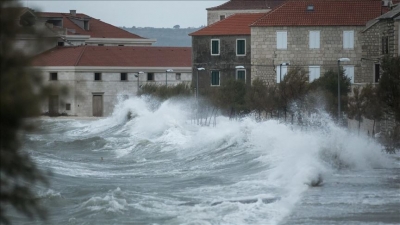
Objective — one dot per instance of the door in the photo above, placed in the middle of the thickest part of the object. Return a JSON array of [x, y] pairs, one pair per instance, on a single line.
[[97, 105], [53, 105]]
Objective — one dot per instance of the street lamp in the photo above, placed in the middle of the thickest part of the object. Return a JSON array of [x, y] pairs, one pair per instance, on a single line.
[[197, 81], [166, 72], [338, 83], [137, 76], [280, 70]]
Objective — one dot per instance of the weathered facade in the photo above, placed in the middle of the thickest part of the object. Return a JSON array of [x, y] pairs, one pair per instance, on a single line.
[[223, 49], [312, 35], [96, 76], [379, 38], [266, 57]]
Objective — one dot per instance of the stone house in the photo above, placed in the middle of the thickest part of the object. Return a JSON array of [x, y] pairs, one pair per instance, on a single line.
[[380, 38], [97, 75], [311, 34], [70, 29], [231, 7], [223, 49], [80, 29]]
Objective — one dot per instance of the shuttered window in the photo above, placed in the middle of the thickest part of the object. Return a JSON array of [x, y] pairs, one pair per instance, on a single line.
[[241, 75], [278, 73], [349, 72], [348, 39], [241, 47], [314, 73], [215, 47], [314, 39], [215, 78], [281, 39]]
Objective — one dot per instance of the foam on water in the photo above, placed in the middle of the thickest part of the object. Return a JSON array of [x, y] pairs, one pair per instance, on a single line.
[[243, 162]]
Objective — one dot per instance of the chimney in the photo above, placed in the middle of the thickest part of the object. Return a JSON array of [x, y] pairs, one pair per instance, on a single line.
[[72, 12]]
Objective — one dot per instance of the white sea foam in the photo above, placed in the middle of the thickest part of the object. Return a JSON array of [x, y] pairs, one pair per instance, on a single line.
[[291, 157]]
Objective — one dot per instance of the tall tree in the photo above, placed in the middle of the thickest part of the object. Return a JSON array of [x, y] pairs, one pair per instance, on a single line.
[[357, 105], [389, 85], [373, 110], [328, 84], [293, 87]]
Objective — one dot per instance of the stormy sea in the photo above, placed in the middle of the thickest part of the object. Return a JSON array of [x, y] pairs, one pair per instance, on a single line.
[[148, 164]]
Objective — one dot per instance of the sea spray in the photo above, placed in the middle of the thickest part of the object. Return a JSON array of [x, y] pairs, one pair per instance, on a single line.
[[164, 169]]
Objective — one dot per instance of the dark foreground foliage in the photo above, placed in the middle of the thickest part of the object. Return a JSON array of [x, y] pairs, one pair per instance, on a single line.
[[21, 94]]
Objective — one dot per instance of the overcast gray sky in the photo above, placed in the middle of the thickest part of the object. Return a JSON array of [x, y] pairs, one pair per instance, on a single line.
[[166, 14]]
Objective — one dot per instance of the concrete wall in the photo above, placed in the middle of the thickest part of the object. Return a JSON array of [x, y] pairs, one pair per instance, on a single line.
[[214, 15], [225, 62], [265, 56], [82, 86]]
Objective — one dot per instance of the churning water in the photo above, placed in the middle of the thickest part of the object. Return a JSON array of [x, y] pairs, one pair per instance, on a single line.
[[161, 168]]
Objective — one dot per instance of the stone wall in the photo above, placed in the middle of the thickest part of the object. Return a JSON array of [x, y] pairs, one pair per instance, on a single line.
[[265, 56], [372, 47], [225, 62]]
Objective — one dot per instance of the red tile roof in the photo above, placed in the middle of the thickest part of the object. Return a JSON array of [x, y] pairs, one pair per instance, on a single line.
[[97, 28], [237, 24], [116, 56], [247, 4], [325, 13]]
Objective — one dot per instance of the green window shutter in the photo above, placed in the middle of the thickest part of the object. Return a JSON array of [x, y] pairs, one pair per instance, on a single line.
[[215, 47], [240, 47], [215, 78], [241, 75]]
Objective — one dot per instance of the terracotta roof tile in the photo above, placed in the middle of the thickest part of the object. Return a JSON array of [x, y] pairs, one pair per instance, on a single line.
[[325, 13], [247, 4], [237, 24], [97, 28], [113, 56]]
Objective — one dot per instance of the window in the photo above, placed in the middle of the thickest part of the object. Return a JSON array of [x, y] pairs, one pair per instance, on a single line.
[[240, 47], [315, 72], [349, 72], [221, 17], [68, 106], [124, 76], [60, 43], [178, 76], [385, 45], [241, 75], [150, 76], [97, 76], [120, 45], [214, 78], [100, 44], [314, 39], [214, 46], [377, 68], [279, 74], [310, 8], [348, 39], [53, 76], [281, 39]]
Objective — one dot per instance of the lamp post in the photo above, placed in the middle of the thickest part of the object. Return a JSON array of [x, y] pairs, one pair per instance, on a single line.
[[166, 76], [338, 83], [197, 81], [137, 76], [280, 70]]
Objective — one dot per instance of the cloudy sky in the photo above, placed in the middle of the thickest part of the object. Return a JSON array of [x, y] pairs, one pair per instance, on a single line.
[[128, 13]]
